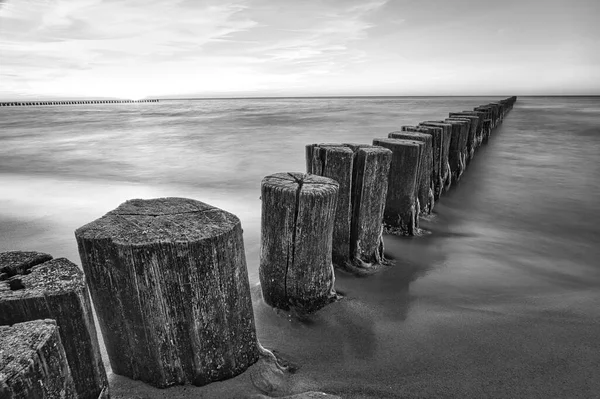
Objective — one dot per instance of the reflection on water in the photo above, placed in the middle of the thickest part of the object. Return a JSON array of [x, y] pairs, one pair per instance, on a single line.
[[502, 299]]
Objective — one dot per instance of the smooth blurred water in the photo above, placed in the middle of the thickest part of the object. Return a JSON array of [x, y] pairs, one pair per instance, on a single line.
[[502, 299]]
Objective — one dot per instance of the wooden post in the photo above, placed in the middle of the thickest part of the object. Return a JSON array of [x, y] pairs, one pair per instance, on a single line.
[[437, 143], [425, 191], [487, 128], [463, 135], [455, 153], [445, 162], [473, 128], [33, 363], [490, 115], [465, 128], [169, 281], [361, 171], [400, 215], [480, 116], [296, 270], [35, 287]]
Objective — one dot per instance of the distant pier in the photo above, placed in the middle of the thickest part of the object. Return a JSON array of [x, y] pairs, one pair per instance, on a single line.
[[40, 103]]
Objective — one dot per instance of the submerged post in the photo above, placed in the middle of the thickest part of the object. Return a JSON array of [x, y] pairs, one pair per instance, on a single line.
[[169, 281], [35, 286], [33, 363], [400, 215], [361, 171], [296, 270]]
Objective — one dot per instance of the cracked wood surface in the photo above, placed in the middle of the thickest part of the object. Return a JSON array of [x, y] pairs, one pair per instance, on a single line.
[[298, 212], [170, 284], [55, 288]]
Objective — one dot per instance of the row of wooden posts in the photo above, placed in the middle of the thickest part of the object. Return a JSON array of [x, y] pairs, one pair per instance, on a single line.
[[71, 102], [168, 276]]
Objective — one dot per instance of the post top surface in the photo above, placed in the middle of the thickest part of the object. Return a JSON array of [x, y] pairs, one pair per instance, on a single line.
[[407, 134], [352, 148], [423, 128], [159, 220], [398, 142], [435, 123], [54, 277], [295, 179]]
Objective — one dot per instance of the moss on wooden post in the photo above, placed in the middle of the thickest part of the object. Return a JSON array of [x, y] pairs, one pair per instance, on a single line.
[[400, 215], [169, 281], [35, 287], [296, 270], [33, 363], [361, 171]]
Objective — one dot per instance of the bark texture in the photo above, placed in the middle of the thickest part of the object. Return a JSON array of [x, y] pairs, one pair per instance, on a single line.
[[437, 143], [400, 215], [361, 171], [425, 191], [296, 270], [445, 161], [169, 281], [56, 289], [33, 363]]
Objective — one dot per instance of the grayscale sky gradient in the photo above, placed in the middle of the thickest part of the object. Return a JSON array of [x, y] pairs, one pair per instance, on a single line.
[[225, 48]]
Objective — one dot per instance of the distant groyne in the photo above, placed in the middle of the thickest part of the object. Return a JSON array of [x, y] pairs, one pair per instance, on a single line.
[[72, 102]]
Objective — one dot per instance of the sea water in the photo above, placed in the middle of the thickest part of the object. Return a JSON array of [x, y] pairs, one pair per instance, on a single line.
[[502, 299]]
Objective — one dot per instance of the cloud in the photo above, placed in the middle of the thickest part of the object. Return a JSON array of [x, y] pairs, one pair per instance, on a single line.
[[263, 41]]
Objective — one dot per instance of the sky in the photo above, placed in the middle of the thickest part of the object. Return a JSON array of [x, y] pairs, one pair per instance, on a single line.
[[252, 48]]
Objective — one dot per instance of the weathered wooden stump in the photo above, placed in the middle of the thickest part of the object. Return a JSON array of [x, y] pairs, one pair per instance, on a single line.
[[437, 144], [35, 287], [400, 216], [472, 134], [456, 153], [33, 363], [169, 281], [487, 130], [296, 269], [465, 127], [425, 191], [489, 115], [445, 161], [480, 116], [361, 171]]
